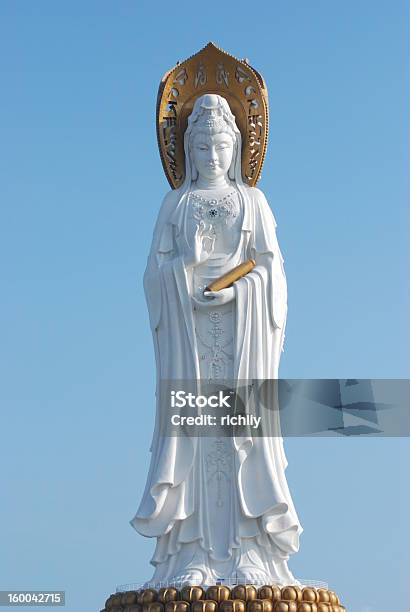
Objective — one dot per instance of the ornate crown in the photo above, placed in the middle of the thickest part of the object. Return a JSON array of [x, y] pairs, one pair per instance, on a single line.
[[210, 119]]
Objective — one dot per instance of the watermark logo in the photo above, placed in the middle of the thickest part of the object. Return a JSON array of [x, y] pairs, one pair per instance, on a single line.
[[182, 399]]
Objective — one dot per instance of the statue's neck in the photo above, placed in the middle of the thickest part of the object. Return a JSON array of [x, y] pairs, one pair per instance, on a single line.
[[219, 182]]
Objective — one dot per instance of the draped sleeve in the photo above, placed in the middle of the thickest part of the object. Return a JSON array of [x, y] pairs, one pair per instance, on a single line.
[[162, 249], [264, 248]]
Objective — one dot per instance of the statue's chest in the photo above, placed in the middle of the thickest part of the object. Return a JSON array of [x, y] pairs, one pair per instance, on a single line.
[[222, 217]]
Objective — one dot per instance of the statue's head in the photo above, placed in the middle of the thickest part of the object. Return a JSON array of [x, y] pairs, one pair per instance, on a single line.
[[212, 140]]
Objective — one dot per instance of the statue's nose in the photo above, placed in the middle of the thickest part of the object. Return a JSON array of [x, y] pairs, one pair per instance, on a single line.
[[212, 155]]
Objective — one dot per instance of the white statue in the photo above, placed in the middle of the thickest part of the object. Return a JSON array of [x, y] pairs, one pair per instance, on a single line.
[[248, 527]]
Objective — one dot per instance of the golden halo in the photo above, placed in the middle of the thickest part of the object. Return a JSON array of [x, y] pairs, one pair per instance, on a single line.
[[212, 71]]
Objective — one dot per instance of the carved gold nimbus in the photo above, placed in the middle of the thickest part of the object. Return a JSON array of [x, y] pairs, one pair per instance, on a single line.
[[212, 70]]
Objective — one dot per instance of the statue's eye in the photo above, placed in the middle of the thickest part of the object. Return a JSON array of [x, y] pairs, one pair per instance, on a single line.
[[223, 145], [202, 147]]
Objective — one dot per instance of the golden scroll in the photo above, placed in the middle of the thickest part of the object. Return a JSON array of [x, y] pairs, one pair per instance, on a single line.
[[226, 280]]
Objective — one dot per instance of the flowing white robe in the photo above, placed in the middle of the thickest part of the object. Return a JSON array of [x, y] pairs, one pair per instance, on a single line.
[[170, 509]]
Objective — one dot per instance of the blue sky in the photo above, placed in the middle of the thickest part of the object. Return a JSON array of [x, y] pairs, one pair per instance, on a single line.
[[80, 187]]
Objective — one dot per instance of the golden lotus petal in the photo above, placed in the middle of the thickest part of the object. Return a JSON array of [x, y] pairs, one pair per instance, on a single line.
[[232, 605], [218, 593], [245, 592]]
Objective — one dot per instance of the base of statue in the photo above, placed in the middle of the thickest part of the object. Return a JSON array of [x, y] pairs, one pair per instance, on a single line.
[[221, 598]]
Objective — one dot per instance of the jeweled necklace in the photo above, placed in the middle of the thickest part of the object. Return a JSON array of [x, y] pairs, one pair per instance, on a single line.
[[215, 209]]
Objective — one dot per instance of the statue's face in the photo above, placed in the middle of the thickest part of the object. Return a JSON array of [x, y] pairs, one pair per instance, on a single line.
[[212, 154]]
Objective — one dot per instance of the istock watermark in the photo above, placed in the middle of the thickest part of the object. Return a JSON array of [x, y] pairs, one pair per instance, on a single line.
[[284, 407], [181, 399]]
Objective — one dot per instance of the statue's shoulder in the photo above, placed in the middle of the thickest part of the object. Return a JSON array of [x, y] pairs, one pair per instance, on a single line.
[[169, 203], [255, 193], [261, 206], [258, 197], [171, 197]]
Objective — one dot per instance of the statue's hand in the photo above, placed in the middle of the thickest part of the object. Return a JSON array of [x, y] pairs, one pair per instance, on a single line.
[[210, 299], [204, 243]]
